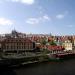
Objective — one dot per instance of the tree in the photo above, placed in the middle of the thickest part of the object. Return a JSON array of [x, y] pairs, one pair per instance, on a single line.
[[52, 43], [43, 41]]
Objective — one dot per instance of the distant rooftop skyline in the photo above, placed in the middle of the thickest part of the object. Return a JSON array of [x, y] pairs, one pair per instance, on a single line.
[[38, 16]]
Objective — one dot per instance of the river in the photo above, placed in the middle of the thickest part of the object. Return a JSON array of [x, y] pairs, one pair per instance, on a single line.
[[66, 67]]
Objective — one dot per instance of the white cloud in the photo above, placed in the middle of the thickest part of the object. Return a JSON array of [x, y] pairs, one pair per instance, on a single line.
[[38, 20], [27, 1], [32, 21], [4, 21], [60, 16], [23, 1], [46, 17]]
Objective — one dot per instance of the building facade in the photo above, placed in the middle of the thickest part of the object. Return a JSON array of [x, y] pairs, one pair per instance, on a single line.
[[67, 45], [17, 45]]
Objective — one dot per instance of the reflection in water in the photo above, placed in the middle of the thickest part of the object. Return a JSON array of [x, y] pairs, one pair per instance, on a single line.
[[7, 72], [66, 67]]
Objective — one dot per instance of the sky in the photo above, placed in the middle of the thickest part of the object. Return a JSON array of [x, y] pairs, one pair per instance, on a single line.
[[38, 16]]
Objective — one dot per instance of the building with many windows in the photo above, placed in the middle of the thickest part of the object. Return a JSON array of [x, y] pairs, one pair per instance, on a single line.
[[17, 45], [67, 45]]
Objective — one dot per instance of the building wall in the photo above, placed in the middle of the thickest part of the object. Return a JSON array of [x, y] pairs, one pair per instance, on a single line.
[[17, 44], [74, 42], [67, 46]]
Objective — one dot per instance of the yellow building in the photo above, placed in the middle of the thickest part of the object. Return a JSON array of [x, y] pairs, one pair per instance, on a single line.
[[74, 42], [67, 45]]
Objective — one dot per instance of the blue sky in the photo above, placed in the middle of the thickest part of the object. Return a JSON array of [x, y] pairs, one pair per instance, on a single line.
[[38, 16]]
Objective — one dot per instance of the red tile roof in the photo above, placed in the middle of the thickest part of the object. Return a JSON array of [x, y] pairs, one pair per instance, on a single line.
[[49, 47], [55, 48]]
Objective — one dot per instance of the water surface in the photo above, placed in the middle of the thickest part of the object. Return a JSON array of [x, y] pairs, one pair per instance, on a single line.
[[66, 67]]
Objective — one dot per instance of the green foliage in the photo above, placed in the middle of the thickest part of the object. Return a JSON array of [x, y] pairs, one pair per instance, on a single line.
[[52, 43], [43, 42]]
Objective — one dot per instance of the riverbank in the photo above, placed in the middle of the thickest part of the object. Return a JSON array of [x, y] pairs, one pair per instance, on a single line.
[[14, 61]]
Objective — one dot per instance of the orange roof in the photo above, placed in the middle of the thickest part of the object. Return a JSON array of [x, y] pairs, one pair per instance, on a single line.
[[54, 47], [49, 47]]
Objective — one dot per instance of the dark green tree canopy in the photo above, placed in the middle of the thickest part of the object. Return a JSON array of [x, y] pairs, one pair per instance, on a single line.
[[52, 43]]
